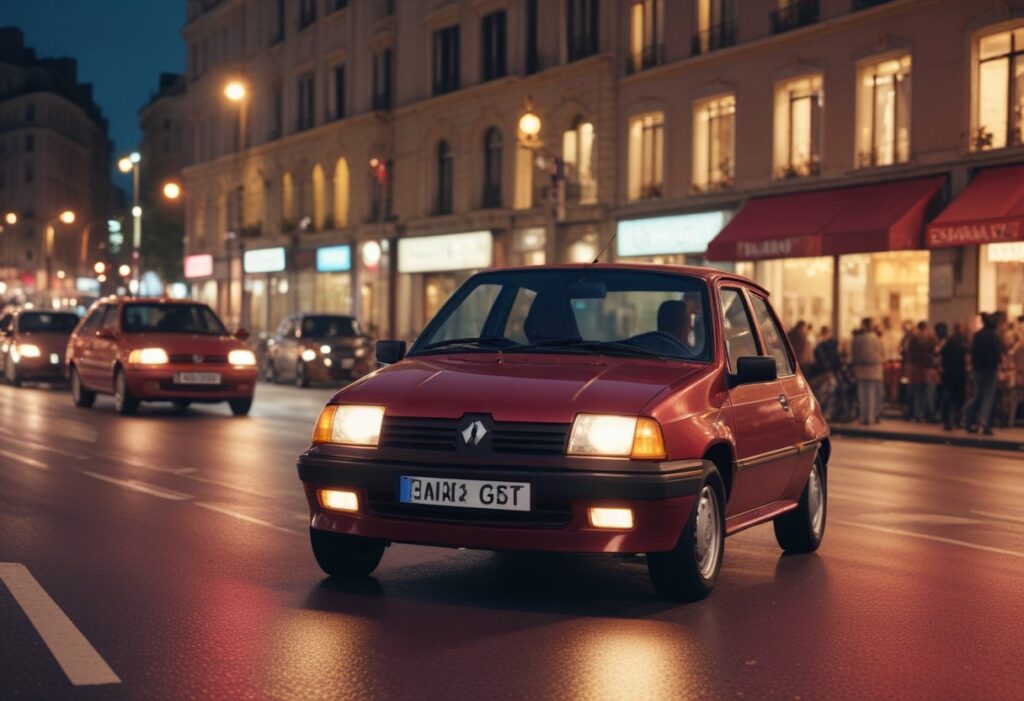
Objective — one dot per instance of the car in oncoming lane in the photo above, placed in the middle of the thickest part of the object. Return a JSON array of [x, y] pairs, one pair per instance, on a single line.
[[33, 343], [159, 350], [310, 347], [591, 408]]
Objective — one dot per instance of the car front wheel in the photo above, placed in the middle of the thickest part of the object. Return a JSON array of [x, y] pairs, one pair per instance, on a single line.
[[689, 571], [346, 556], [240, 407], [802, 530], [124, 403], [81, 397]]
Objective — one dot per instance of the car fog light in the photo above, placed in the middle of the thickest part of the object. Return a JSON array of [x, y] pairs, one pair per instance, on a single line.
[[616, 519], [54, 359], [339, 500], [328, 362]]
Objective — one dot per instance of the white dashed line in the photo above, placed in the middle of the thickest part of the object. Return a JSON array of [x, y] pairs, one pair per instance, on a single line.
[[23, 460], [935, 538], [142, 487], [245, 517]]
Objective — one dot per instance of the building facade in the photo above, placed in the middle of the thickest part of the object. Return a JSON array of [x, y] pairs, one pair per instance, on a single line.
[[54, 157], [859, 157]]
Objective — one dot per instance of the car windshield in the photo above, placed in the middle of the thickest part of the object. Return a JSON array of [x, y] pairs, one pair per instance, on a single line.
[[329, 326], [171, 318], [41, 322], [593, 311]]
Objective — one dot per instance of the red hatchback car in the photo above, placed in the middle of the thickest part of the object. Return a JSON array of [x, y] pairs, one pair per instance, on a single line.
[[159, 350], [595, 408]]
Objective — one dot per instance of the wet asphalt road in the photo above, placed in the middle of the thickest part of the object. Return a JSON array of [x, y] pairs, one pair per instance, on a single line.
[[178, 547]]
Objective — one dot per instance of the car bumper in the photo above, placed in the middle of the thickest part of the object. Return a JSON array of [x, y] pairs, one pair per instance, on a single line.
[[40, 368], [321, 370], [661, 501], [157, 384]]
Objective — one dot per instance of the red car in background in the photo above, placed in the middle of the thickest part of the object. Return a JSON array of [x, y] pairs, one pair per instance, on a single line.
[[159, 350], [32, 345], [597, 408]]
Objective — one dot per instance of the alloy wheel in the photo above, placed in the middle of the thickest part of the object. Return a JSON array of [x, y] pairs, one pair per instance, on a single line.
[[708, 534]]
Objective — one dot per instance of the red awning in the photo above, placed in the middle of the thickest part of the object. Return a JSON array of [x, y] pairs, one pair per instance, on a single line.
[[859, 219], [989, 210]]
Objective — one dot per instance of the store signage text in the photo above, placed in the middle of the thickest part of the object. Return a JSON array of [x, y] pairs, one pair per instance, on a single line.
[[334, 259], [264, 260], [198, 266], [797, 246], [684, 233], [448, 252], [972, 234]]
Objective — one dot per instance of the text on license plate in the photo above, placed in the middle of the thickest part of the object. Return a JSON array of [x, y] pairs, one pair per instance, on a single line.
[[197, 378], [469, 494]]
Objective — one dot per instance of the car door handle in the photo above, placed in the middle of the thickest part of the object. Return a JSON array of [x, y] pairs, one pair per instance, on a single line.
[[784, 402]]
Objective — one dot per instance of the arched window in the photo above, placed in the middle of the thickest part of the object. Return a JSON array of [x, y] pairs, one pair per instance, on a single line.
[[341, 188], [492, 168], [578, 156], [319, 198], [287, 198], [444, 178]]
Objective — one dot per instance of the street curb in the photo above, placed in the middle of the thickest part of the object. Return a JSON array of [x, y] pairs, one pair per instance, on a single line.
[[953, 440]]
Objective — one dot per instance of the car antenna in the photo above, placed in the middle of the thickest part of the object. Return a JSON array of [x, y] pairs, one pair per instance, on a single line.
[[597, 259]]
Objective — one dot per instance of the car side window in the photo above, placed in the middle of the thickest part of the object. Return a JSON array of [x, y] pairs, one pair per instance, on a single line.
[[109, 316], [771, 334], [92, 322], [740, 340]]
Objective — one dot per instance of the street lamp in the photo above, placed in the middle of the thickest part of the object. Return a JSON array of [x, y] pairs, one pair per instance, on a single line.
[[529, 137], [130, 163], [171, 190], [237, 91], [11, 218]]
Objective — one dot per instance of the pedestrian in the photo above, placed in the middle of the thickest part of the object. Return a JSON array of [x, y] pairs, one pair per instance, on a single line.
[[921, 372], [953, 358], [1018, 363], [891, 352], [826, 372], [986, 354], [905, 397], [798, 338], [867, 366]]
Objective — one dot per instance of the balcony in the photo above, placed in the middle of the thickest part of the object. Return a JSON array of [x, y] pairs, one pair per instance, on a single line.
[[714, 38], [797, 14], [649, 57]]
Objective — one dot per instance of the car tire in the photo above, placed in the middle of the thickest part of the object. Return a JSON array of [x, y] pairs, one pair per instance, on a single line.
[[301, 378], [346, 556], [80, 396], [802, 530], [124, 403], [11, 373], [240, 407], [182, 406], [689, 571]]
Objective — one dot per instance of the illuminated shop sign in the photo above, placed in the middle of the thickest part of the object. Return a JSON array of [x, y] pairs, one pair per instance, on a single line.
[[684, 233], [334, 259], [264, 260], [198, 266], [448, 252]]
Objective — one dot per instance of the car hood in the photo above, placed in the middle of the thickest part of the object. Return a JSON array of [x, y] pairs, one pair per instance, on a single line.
[[513, 387], [180, 343]]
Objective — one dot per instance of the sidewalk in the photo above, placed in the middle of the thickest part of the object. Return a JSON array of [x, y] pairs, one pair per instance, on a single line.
[[896, 430]]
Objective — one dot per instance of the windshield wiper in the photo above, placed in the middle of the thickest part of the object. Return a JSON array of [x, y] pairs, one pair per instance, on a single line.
[[579, 344], [485, 343]]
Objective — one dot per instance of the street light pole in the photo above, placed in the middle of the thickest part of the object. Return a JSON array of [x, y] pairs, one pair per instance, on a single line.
[[238, 92], [66, 217], [131, 163]]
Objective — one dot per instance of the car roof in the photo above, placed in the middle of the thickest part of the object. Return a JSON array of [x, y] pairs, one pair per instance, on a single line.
[[712, 275], [115, 299]]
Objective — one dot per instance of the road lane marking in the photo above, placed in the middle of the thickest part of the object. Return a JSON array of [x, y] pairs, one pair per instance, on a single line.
[[26, 461], [926, 536], [142, 487], [79, 660], [999, 517], [245, 517], [48, 448]]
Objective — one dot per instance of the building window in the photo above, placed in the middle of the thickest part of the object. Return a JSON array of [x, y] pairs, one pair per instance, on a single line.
[[382, 80], [714, 129], [287, 202], [883, 113], [339, 91], [279, 15], [30, 143], [492, 168], [716, 26], [798, 118], [999, 110], [793, 14], [307, 13], [446, 60], [306, 100], [337, 4], [276, 111], [30, 113], [578, 157], [30, 172], [386, 189], [646, 35], [646, 156], [444, 179], [532, 53], [341, 193], [582, 28], [492, 46]]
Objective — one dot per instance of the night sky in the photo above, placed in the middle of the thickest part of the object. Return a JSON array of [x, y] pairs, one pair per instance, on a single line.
[[121, 47]]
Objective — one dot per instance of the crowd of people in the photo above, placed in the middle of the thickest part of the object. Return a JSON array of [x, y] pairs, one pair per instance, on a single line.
[[969, 377]]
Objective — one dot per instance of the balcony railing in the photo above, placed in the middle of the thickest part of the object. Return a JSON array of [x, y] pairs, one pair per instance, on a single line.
[[713, 38], [446, 84], [795, 15], [492, 196], [649, 57], [582, 46], [382, 101]]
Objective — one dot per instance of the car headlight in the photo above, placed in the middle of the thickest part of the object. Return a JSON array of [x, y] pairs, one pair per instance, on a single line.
[[148, 356], [241, 356], [27, 350], [325, 349], [308, 354], [610, 436], [349, 425]]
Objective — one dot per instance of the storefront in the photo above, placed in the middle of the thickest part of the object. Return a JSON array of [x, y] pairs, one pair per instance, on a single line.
[[199, 270], [988, 216], [332, 288], [431, 268], [680, 239], [267, 288], [833, 257]]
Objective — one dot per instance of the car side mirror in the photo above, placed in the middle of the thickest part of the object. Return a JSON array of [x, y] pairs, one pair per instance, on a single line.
[[390, 352], [106, 333], [241, 334], [753, 369]]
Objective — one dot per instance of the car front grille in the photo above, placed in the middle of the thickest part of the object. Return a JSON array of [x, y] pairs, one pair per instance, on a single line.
[[187, 359], [443, 435]]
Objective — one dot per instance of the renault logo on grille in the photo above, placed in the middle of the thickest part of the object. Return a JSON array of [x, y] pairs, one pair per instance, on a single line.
[[197, 359], [474, 433]]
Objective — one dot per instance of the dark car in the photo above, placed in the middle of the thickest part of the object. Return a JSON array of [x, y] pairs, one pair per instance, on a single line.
[[317, 347], [159, 350], [33, 343], [599, 408]]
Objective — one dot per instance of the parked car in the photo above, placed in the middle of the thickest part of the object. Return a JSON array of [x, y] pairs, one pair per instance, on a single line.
[[153, 350], [596, 408], [33, 343], [311, 347]]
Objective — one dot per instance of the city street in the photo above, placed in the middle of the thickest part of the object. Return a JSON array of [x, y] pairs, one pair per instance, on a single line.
[[177, 545]]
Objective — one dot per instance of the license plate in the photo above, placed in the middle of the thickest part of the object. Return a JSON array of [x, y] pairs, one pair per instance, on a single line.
[[467, 494], [348, 363], [197, 378]]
